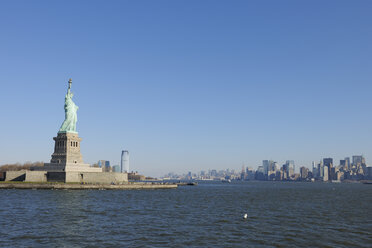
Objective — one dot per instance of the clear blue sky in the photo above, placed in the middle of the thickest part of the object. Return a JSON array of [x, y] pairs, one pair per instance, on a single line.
[[188, 85]]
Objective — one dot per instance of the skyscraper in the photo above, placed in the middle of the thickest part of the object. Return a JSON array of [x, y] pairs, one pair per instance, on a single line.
[[304, 172], [358, 160], [347, 163], [124, 165], [320, 170], [291, 167], [265, 165], [343, 163], [325, 173], [314, 170], [329, 163]]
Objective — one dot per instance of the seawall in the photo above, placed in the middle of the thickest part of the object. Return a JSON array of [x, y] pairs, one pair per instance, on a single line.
[[85, 186]]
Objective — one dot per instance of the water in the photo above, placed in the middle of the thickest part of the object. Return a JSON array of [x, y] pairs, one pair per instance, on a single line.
[[208, 215]]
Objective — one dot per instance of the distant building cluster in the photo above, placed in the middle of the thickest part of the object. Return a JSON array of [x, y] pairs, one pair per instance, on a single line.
[[205, 175], [123, 167], [325, 170], [346, 170], [106, 167]]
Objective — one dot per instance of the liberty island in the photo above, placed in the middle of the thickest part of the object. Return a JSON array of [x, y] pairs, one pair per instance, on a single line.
[[67, 165]]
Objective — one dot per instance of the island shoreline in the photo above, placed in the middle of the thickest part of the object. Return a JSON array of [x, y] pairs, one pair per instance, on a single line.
[[66, 186]]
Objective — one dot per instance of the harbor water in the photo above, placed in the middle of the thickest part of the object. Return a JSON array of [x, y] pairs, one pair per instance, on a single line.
[[279, 214]]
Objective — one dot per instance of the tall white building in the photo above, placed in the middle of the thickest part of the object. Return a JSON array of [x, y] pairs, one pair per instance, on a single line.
[[325, 173], [124, 165], [290, 165]]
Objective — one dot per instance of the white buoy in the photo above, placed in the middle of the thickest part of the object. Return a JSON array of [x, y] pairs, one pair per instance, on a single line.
[[245, 216]]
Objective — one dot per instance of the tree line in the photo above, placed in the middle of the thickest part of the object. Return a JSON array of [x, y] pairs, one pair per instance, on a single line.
[[19, 166]]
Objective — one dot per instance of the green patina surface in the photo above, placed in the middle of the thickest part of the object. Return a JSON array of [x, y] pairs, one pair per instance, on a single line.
[[69, 124]]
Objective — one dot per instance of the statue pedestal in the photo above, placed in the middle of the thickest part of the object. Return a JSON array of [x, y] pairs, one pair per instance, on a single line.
[[67, 156], [67, 148]]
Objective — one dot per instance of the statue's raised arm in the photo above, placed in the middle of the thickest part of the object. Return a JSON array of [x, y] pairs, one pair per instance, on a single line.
[[69, 85]]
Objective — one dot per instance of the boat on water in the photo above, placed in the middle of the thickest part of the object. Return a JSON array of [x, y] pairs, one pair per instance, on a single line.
[[187, 183], [226, 180], [366, 181]]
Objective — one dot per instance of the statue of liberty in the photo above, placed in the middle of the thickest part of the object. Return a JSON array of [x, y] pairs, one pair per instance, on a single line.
[[69, 125]]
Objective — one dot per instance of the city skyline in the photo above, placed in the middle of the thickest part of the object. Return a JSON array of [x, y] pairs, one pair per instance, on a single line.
[[326, 170], [296, 167], [189, 86]]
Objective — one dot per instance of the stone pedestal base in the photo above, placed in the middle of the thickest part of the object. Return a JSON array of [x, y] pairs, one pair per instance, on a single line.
[[67, 149]]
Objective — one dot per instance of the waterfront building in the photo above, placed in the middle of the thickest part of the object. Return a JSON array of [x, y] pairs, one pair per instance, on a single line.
[[359, 166], [358, 159], [329, 163], [314, 170], [265, 166], [310, 175], [260, 173], [275, 166], [116, 168], [105, 165], [290, 165], [347, 163], [271, 175], [283, 172], [124, 164], [242, 174], [249, 174], [339, 175], [320, 170], [343, 164], [304, 172], [325, 173], [369, 172], [273, 171]]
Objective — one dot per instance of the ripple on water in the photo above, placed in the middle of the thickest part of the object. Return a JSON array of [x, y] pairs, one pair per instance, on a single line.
[[209, 215]]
